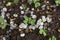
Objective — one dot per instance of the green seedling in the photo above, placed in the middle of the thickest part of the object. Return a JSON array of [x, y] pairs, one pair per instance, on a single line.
[[29, 20], [37, 4], [43, 32], [32, 22], [24, 6], [3, 24], [9, 4], [53, 38], [57, 1], [15, 1], [26, 19]]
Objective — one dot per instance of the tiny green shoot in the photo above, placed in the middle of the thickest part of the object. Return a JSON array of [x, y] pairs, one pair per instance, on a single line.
[[15, 1], [57, 1], [42, 31], [3, 24], [29, 20], [37, 4], [52, 38], [24, 6], [9, 4]]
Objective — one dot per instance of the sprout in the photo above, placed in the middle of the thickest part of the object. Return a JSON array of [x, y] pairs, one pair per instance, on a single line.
[[29, 20], [37, 4], [53, 38], [57, 1], [24, 6], [3, 24], [15, 1], [42, 31], [9, 4], [25, 19]]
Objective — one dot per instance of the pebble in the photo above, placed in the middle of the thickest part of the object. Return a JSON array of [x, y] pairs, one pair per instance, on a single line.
[[4, 9], [32, 9], [15, 15], [43, 18], [47, 1], [40, 27], [8, 15], [5, 20], [22, 25], [48, 19], [32, 27], [39, 21], [4, 1], [34, 16], [22, 12], [4, 38], [21, 7], [22, 34]]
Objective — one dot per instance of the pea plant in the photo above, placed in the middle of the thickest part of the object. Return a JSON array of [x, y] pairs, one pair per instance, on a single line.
[[57, 1], [52, 38], [42, 31], [29, 20], [3, 24]]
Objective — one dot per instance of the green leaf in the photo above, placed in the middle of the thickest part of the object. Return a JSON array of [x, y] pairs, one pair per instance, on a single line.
[[57, 1], [15, 1], [24, 6], [30, 20], [49, 38], [53, 38], [37, 4], [9, 4], [3, 24], [42, 31]]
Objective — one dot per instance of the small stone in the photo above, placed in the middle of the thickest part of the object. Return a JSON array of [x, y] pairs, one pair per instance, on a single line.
[[15, 15], [32, 9], [5, 20], [22, 34], [4, 1], [22, 12], [32, 12], [59, 30], [47, 1], [4, 9], [48, 19], [34, 16], [22, 25], [40, 27], [21, 7], [4, 38], [38, 22]]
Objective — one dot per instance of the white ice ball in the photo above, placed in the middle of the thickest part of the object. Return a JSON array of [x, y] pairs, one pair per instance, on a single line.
[[22, 34], [4, 9]]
